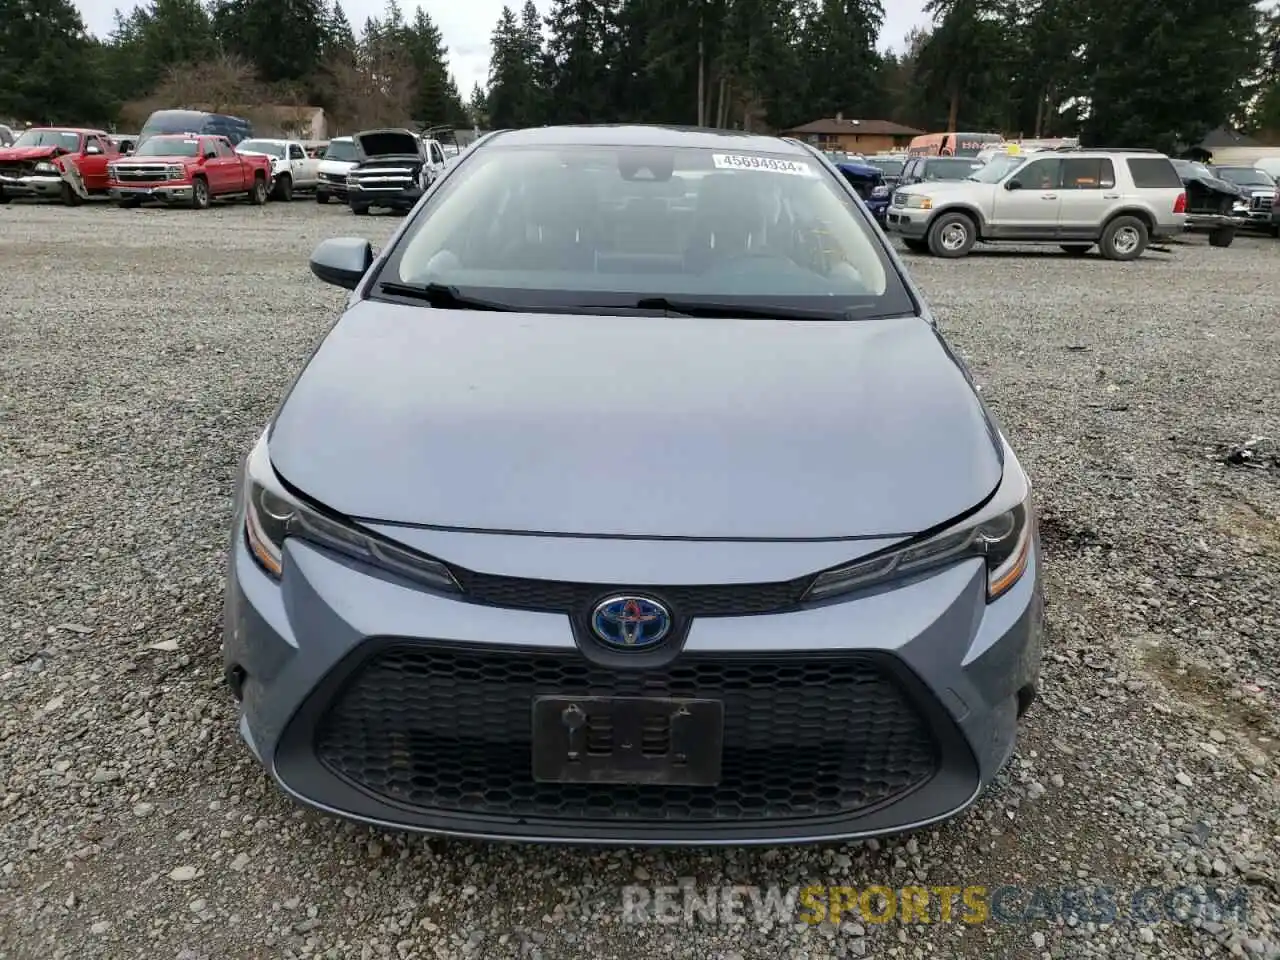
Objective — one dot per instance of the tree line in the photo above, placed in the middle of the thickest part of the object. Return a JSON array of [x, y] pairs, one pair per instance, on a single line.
[[1139, 72]]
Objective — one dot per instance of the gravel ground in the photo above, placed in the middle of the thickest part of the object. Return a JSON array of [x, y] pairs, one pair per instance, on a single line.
[[140, 354]]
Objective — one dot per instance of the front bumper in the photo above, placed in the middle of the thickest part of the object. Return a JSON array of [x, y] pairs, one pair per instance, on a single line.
[[879, 209], [169, 192], [370, 699], [908, 222], [44, 185], [404, 199]]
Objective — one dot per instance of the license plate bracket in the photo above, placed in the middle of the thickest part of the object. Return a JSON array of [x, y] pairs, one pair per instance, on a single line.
[[627, 740]]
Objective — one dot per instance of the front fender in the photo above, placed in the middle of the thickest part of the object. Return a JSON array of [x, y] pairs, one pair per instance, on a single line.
[[960, 206]]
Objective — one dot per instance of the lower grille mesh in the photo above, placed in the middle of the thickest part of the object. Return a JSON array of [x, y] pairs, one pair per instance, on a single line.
[[446, 728]]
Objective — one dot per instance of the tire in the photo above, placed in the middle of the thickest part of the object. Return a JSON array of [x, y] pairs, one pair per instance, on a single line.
[[321, 197], [1077, 249], [916, 246], [1222, 236], [258, 193], [952, 235], [360, 210], [1273, 230], [283, 190], [69, 197], [199, 193], [1124, 238], [4, 199]]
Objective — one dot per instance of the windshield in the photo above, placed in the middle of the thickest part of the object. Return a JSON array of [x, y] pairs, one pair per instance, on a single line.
[[341, 150], [950, 169], [262, 146], [1191, 168], [996, 169], [890, 168], [1246, 176], [169, 147], [570, 226], [66, 139]]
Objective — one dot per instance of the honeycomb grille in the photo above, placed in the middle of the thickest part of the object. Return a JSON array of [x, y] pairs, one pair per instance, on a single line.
[[448, 729], [557, 596]]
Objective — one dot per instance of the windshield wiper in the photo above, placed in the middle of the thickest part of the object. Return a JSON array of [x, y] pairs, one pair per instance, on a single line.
[[729, 311], [442, 295]]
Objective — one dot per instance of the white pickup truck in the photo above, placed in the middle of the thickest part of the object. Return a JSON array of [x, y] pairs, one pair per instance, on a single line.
[[291, 168]]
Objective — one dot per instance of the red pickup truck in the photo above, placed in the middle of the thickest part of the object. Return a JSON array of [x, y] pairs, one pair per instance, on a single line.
[[33, 166], [190, 169]]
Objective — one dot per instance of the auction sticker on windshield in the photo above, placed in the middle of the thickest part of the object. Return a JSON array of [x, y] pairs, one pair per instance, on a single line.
[[733, 161]]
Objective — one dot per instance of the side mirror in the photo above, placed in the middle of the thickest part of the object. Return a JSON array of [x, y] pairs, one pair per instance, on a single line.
[[1013, 185], [92, 150], [342, 261]]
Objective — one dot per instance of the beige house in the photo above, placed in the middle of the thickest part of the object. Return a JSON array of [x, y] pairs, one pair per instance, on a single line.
[[854, 136]]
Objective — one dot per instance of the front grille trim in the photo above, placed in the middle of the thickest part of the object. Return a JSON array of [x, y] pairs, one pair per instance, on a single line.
[[301, 744]]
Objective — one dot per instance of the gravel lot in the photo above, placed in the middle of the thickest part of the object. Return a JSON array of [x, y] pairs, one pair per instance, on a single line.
[[140, 354]]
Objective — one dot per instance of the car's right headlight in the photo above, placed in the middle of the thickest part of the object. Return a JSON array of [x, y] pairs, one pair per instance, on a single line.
[[919, 202], [1001, 533], [272, 515]]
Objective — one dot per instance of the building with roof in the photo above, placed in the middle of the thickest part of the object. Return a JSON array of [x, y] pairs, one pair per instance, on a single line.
[[846, 135]]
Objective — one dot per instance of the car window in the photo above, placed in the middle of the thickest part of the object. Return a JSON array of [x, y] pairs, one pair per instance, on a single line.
[[66, 139], [436, 155], [1041, 174], [344, 150], [575, 225], [1246, 176], [295, 152], [947, 168], [1095, 173], [998, 168], [1153, 172], [223, 147]]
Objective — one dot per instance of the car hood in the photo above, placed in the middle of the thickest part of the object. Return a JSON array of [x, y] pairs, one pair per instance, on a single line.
[[636, 426], [336, 166], [935, 188], [386, 143], [29, 153]]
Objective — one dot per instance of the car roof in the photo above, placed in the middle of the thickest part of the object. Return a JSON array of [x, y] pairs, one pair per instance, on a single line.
[[643, 135]]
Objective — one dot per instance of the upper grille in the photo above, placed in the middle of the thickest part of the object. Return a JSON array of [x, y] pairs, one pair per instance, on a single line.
[[15, 170], [149, 172], [1262, 201], [448, 728], [899, 199], [555, 596]]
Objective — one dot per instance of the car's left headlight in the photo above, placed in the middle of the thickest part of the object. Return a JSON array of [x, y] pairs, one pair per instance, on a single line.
[[46, 168], [880, 191], [1001, 533], [272, 515], [919, 202]]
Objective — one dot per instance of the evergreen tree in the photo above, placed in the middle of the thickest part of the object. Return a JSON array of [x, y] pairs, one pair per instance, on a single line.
[[581, 42], [47, 63], [282, 39]]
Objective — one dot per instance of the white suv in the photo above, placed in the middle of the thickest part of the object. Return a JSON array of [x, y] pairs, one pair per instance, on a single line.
[[1120, 200]]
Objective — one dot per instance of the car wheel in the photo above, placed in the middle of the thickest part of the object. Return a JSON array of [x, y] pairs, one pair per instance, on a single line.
[[258, 195], [1222, 236], [916, 246], [200, 194], [1077, 249], [952, 235], [4, 199], [284, 189], [69, 197], [359, 210], [1125, 238], [321, 197]]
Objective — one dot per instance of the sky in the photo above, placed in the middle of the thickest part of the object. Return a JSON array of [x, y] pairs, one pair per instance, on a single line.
[[467, 24]]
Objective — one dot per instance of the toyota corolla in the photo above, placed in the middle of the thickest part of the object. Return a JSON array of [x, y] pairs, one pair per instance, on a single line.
[[634, 498]]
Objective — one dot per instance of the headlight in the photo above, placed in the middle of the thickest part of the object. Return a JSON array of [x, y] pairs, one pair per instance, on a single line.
[[177, 172], [271, 515], [1001, 535], [46, 168], [919, 202], [880, 191]]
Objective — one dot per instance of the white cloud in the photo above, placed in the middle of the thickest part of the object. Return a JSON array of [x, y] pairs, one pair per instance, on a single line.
[[467, 25]]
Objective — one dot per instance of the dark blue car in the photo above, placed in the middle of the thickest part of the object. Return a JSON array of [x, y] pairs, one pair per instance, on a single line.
[[869, 183]]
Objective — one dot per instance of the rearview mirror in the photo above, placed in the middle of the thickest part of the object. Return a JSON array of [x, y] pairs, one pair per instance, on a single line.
[[342, 261], [1013, 185]]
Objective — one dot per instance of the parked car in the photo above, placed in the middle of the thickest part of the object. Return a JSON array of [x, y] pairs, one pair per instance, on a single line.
[[291, 168], [339, 157], [814, 613], [1118, 200], [436, 159], [393, 170], [890, 166], [196, 123], [36, 165], [931, 169], [190, 170], [1258, 189], [1211, 202], [952, 144], [868, 182]]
